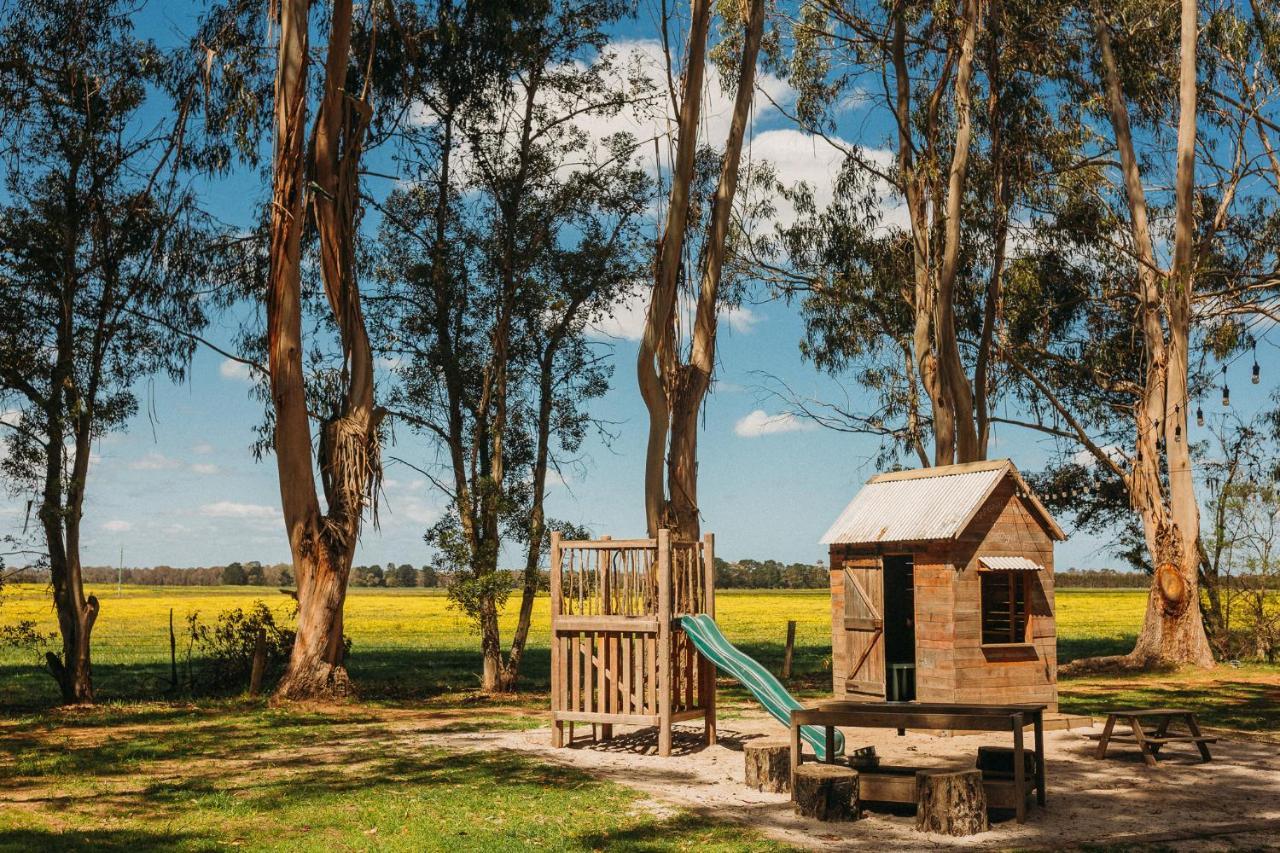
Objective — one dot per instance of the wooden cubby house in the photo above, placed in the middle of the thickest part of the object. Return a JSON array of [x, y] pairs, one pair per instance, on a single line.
[[942, 589], [618, 654]]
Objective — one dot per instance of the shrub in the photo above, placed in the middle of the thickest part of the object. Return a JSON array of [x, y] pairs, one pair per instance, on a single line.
[[225, 648]]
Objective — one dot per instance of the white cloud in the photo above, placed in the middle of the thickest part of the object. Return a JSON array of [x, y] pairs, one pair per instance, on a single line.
[[741, 319], [117, 525], [628, 318], [418, 511], [1086, 459], [204, 468], [760, 423], [236, 370], [204, 448], [231, 509], [155, 462]]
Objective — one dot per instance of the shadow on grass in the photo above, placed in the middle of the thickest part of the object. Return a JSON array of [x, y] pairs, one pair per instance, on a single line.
[[382, 675], [1090, 647], [329, 793], [1219, 702], [36, 840]]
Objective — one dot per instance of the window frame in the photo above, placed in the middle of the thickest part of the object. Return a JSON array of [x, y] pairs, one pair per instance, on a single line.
[[1027, 616]]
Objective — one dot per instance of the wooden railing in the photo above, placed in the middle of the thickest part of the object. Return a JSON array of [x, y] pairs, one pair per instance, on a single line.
[[618, 655]]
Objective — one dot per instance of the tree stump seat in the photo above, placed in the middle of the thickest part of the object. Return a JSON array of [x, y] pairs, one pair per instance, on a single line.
[[951, 802], [768, 764], [827, 792]]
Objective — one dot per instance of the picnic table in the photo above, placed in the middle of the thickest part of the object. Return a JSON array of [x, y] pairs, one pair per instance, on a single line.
[[885, 784], [1150, 731]]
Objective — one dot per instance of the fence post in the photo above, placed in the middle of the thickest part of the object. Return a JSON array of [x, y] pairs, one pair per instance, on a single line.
[[557, 680], [173, 654], [791, 645], [664, 642], [259, 662]]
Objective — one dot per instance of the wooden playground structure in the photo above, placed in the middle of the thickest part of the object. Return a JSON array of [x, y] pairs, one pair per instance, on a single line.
[[618, 654]]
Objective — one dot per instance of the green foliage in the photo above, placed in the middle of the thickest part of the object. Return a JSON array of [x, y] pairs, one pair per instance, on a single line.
[[224, 650], [233, 574]]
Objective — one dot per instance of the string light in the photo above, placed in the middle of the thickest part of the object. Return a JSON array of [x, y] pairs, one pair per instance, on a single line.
[[1199, 414], [1257, 371], [1226, 391]]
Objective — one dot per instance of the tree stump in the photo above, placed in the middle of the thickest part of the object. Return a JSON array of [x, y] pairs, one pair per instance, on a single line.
[[768, 764], [951, 802], [826, 791], [996, 762]]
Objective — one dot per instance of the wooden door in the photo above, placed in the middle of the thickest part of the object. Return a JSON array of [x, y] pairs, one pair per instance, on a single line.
[[864, 627]]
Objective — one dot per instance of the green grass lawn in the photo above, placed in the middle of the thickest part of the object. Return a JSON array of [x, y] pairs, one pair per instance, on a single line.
[[237, 774]]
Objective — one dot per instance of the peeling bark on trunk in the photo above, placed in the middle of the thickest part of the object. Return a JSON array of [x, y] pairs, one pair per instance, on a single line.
[[934, 340], [1172, 630], [673, 392], [322, 544]]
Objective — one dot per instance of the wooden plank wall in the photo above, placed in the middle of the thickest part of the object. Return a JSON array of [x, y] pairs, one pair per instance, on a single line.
[[951, 664], [935, 625], [606, 674], [1004, 527]]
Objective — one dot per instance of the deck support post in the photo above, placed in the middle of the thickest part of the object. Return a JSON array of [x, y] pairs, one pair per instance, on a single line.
[[664, 642], [708, 669]]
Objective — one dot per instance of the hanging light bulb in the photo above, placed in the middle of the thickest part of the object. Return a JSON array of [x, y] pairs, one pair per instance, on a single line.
[[1199, 415], [1177, 434], [1226, 392]]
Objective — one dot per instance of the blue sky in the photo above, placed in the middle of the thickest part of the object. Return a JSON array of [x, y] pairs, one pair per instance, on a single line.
[[180, 486]]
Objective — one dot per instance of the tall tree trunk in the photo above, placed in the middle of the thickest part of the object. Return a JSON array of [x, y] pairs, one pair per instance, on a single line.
[[537, 514], [322, 544], [954, 380], [934, 339], [656, 358], [1172, 630], [61, 506], [1000, 186], [674, 392], [76, 613]]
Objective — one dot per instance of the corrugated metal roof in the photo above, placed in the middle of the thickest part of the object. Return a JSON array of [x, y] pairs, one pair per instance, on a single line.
[[913, 506], [1010, 564]]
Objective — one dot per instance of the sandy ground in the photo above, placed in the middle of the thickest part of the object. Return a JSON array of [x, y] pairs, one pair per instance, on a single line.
[[1232, 802]]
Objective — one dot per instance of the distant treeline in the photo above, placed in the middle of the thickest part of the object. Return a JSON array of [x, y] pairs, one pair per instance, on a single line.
[[252, 573], [770, 574], [1100, 579], [740, 574]]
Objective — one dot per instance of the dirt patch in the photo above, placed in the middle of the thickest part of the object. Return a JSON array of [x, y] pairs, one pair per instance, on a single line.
[[1233, 801]]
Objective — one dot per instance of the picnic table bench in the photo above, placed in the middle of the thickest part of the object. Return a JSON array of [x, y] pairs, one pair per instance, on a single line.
[[1150, 731], [892, 784]]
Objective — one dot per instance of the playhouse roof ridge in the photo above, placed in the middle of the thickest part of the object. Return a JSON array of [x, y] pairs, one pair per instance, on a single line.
[[928, 504], [943, 470]]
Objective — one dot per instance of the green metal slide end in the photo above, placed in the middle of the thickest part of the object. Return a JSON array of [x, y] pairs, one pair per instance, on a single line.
[[710, 641]]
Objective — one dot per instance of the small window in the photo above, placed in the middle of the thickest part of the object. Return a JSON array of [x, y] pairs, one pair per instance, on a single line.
[[1004, 607]]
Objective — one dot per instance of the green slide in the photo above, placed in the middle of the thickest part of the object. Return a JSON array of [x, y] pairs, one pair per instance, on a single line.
[[707, 639]]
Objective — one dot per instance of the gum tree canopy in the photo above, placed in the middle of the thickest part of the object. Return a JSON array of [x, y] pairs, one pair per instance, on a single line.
[[103, 254]]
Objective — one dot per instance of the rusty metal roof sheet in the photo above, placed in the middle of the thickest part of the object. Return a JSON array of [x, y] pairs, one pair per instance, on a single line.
[[930, 503]]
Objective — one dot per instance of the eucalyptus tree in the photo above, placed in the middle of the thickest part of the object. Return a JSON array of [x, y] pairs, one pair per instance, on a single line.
[[903, 274], [316, 179], [674, 375], [1170, 278], [514, 229], [106, 261]]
